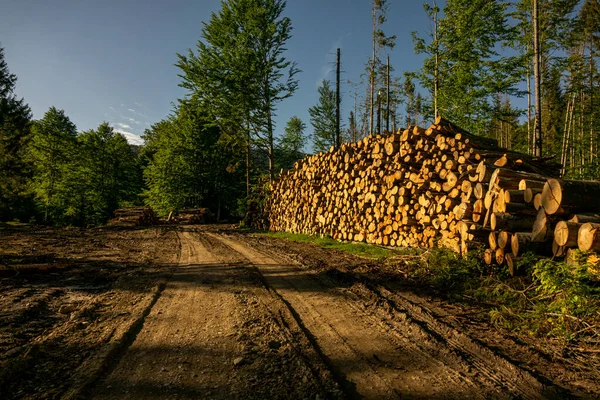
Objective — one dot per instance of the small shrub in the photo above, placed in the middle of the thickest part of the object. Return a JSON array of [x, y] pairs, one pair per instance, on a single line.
[[450, 271]]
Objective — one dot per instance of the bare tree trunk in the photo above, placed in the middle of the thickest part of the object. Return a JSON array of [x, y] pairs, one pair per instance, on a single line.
[[581, 134], [379, 113], [592, 153], [338, 139], [372, 74], [537, 143], [436, 69], [387, 96], [563, 153], [355, 130], [571, 134], [270, 141], [248, 161], [529, 133]]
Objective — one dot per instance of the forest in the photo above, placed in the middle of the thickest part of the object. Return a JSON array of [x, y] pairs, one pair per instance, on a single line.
[[522, 72]]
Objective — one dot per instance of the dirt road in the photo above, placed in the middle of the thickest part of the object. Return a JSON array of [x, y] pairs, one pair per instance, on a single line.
[[234, 322], [203, 334], [208, 312]]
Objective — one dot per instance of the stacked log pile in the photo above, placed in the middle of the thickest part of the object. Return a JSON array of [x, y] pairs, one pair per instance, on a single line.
[[440, 186], [194, 216], [135, 216]]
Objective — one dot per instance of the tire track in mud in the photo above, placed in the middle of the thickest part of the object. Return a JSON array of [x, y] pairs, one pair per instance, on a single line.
[[386, 359], [212, 335], [393, 308], [181, 338], [332, 383]]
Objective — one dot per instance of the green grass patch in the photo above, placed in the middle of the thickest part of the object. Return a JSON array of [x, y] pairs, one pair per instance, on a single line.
[[359, 249]]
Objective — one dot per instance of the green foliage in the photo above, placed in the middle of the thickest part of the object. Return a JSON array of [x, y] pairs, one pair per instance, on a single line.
[[188, 165], [52, 153], [105, 174], [450, 271], [239, 73], [569, 284], [549, 298], [322, 118], [256, 212], [464, 59], [14, 135], [292, 143]]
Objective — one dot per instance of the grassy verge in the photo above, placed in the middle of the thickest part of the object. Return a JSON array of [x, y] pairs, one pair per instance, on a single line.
[[359, 249]]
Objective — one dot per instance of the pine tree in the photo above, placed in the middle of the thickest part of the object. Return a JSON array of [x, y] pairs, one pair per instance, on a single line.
[[188, 165], [465, 63], [322, 118], [292, 142], [352, 128], [375, 67], [51, 151], [14, 134], [554, 34], [106, 175]]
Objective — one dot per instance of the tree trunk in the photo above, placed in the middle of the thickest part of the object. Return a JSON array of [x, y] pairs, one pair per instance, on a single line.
[[559, 195], [436, 69], [537, 143], [387, 96], [592, 153], [372, 73], [270, 141], [529, 141], [589, 237], [338, 141], [248, 162]]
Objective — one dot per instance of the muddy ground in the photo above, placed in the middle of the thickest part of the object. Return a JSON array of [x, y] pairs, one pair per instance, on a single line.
[[208, 312]]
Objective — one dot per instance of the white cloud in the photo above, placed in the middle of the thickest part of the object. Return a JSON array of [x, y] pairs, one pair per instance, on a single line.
[[330, 57], [128, 119], [132, 138], [136, 113]]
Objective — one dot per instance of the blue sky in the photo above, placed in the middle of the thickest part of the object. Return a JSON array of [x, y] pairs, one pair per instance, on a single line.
[[113, 60]]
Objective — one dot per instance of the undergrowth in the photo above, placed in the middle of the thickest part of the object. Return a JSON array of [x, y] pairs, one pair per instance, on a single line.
[[549, 298]]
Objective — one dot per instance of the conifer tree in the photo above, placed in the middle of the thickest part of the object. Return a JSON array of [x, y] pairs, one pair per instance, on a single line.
[[293, 141], [464, 63], [52, 152], [14, 134], [322, 118]]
